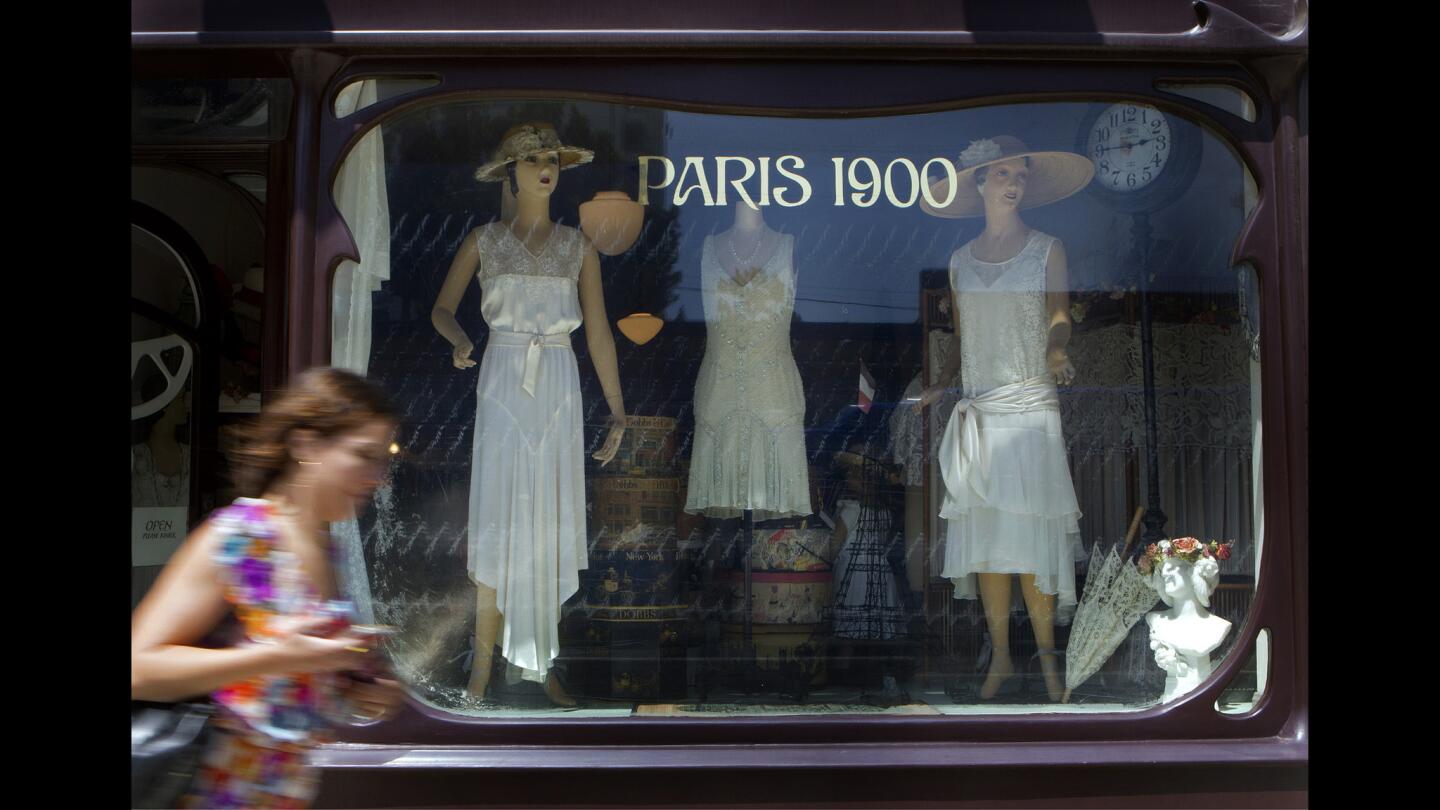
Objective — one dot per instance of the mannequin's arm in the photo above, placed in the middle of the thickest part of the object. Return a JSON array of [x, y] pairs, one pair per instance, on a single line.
[[442, 316], [1057, 302], [932, 393], [602, 350]]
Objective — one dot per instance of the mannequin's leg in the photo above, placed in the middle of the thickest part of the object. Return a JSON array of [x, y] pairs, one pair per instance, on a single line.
[[1041, 607], [487, 627], [995, 598], [555, 691]]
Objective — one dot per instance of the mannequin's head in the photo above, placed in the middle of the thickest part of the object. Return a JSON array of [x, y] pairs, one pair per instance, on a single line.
[[1178, 580], [528, 155], [535, 174], [1002, 185], [328, 432]]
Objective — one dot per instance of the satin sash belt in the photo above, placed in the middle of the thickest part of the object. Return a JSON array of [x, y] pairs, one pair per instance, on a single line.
[[533, 344], [963, 459]]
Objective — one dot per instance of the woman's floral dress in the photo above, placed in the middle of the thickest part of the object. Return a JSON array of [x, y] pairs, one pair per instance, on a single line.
[[265, 725]]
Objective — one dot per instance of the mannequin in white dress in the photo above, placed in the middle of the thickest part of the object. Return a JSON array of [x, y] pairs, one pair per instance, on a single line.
[[749, 449], [539, 281], [1009, 500]]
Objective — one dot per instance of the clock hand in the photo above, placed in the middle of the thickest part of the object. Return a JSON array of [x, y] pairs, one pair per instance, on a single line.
[[1104, 149]]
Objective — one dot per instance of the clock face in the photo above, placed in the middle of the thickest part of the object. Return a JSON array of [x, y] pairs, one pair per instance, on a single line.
[[1130, 145]]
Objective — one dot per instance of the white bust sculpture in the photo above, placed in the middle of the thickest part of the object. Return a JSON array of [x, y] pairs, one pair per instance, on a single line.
[[1183, 637]]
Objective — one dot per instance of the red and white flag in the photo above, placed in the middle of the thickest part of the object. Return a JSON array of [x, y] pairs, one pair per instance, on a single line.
[[867, 388]]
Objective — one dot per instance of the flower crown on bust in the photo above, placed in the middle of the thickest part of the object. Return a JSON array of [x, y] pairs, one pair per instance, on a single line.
[[1188, 549]]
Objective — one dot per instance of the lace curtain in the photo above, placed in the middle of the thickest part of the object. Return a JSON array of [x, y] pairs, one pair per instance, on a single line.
[[1204, 431], [360, 196]]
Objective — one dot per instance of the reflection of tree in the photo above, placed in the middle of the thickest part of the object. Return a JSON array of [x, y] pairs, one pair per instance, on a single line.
[[431, 157], [643, 278]]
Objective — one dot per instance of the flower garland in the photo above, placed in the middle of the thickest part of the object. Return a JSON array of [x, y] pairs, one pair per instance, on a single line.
[[1188, 549]]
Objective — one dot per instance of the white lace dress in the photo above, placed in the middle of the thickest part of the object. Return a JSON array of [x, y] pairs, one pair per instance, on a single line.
[[527, 482], [1009, 501], [749, 450]]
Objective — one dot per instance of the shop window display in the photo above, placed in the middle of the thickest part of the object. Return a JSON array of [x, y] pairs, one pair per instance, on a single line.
[[860, 423]]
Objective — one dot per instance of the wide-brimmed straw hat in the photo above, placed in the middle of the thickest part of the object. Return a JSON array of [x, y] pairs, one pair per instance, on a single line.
[[1053, 176], [523, 140]]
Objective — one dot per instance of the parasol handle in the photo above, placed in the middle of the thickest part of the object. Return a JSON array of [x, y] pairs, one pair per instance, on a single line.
[[1130, 534]]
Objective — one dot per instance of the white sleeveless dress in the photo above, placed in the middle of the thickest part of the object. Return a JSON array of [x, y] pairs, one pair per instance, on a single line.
[[749, 449], [1009, 503], [527, 481]]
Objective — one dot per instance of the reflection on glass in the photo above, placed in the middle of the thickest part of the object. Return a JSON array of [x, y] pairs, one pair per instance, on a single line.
[[160, 449], [1245, 690], [160, 454], [1227, 97], [159, 277], [914, 348], [169, 110]]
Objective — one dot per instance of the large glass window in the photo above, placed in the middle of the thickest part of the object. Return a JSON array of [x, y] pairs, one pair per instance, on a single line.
[[940, 413]]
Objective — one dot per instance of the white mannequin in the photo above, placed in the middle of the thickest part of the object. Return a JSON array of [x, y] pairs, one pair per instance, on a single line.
[[749, 447], [744, 249], [1002, 188], [1184, 636], [535, 178]]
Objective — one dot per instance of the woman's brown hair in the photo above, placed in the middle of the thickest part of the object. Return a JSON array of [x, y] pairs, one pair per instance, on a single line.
[[328, 401]]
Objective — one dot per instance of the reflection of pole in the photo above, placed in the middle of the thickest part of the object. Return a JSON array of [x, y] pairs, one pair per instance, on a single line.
[[1154, 518]]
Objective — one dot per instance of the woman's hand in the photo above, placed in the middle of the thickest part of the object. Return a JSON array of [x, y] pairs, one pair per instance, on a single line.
[[460, 356], [300, 648], [374, 699], [607, 451], [931, 395], [1058, 361]]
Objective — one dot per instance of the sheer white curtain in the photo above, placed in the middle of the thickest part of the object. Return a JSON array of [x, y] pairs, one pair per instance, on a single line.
[[360, 196]]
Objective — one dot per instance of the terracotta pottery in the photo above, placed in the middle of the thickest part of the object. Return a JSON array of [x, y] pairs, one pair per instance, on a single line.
[[612, 221], [640, 327]]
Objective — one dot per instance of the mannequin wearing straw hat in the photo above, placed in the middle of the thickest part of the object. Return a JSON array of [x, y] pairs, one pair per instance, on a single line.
[[539, 281], [1009, 500]]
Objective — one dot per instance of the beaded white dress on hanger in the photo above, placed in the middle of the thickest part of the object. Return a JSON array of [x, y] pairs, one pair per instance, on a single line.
[[749, 450], [1009, 502], [527, 481]]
